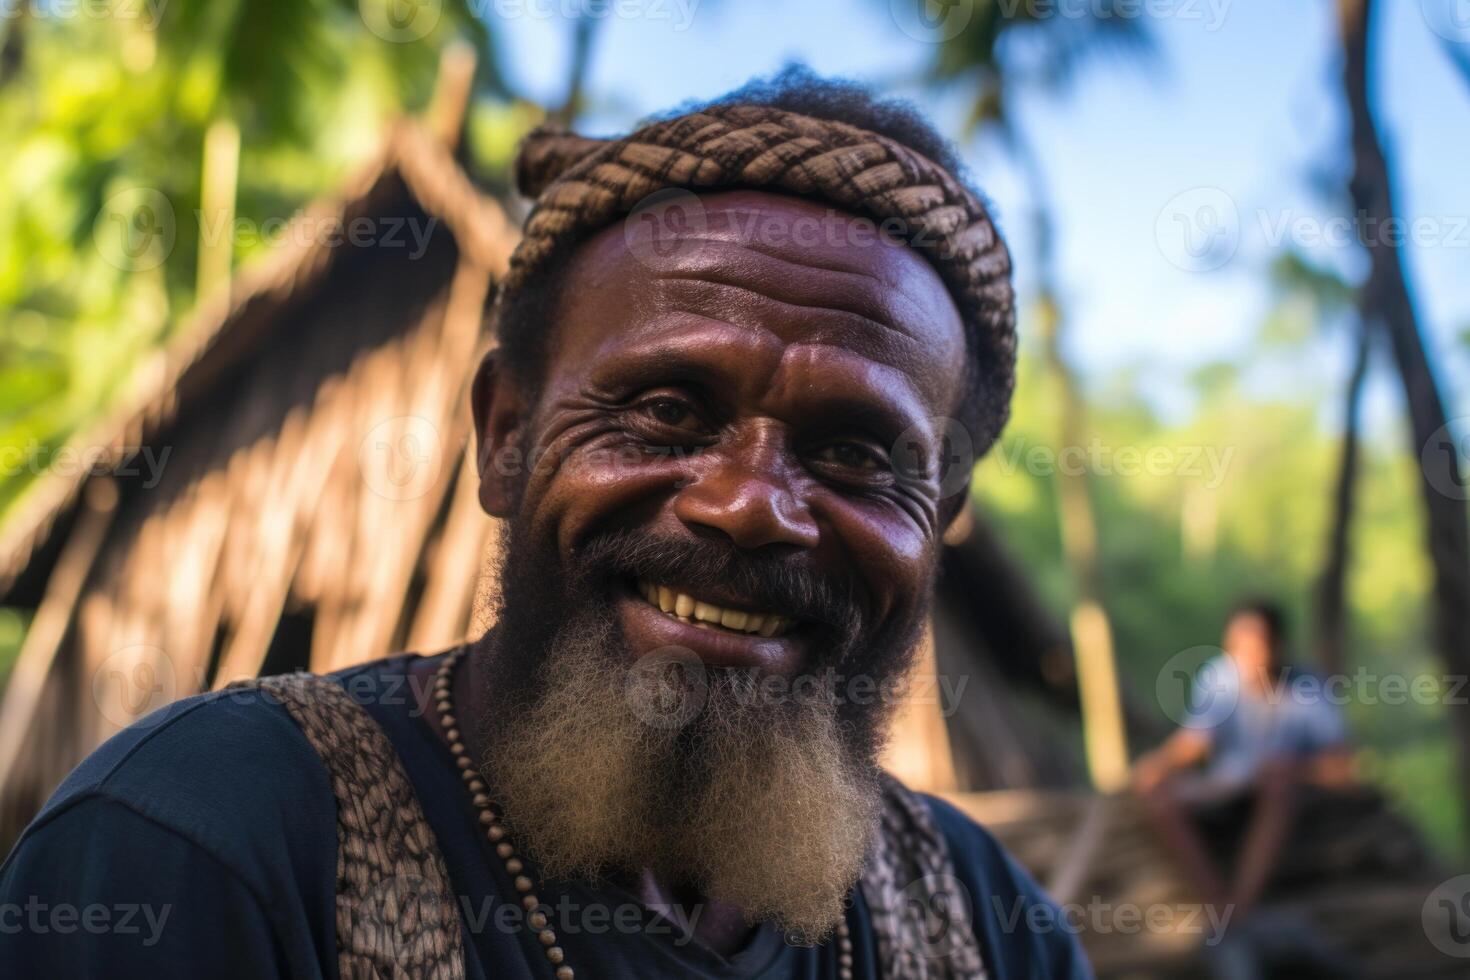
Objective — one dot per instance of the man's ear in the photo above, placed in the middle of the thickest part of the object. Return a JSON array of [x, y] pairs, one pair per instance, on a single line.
[[499, 407]]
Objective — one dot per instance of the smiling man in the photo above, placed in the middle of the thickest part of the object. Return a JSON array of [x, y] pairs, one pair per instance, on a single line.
[[739, 353]]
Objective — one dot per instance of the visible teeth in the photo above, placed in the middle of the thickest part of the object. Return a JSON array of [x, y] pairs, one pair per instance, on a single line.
[[707, 614]]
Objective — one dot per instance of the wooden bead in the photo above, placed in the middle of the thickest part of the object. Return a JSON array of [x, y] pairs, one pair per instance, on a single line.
[[443, 683]]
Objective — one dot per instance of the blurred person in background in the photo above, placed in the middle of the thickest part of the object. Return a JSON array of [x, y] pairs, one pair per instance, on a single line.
[[1225, 789]]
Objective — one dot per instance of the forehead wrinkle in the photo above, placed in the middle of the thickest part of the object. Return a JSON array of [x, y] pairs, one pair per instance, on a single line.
[[716, 285], [888, 348], [812, 278]]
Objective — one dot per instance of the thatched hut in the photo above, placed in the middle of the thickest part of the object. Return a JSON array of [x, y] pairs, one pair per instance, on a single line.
[[284, 489]]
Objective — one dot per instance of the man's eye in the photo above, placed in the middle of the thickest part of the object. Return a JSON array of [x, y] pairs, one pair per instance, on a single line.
[[849, 454], [671, 412]]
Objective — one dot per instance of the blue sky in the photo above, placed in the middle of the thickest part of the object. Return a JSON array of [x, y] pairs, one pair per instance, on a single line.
[[1240, 110]]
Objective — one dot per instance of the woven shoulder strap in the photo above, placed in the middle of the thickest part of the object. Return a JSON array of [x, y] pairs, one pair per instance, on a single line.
[[396, 917], [922, 912]]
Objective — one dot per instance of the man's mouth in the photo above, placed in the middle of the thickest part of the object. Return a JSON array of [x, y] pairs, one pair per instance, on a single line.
[[708, 615]]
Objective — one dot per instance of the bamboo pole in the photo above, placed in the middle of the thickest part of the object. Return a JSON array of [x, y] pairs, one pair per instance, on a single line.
[[220, 178]]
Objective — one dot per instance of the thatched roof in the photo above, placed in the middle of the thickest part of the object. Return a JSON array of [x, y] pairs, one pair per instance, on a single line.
[[281, 406], [228, 324]]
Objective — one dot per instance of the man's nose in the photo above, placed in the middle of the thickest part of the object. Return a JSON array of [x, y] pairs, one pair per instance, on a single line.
[[750, 503]]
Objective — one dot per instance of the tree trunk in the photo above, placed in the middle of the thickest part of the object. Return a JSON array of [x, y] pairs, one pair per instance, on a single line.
[[1104, 733], [583, 33], [1386, 304], [1332, 588]]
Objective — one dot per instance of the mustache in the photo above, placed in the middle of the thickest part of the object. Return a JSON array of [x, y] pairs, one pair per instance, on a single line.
[[785, 585]]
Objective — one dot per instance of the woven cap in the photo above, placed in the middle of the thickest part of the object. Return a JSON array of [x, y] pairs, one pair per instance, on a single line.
[[581, 185]]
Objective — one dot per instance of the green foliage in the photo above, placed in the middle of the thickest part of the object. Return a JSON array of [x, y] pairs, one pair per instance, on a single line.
[[1013, 45], [104, 121]]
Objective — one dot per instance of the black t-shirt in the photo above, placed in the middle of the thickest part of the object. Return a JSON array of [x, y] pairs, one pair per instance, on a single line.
[[202, 842]]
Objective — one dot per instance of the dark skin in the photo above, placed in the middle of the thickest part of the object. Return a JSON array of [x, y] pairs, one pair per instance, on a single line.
[[747, 390]]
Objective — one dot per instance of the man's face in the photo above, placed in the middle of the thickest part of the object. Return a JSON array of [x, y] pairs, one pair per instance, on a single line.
[[1248, 641], [744, 394], [714, 435]]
